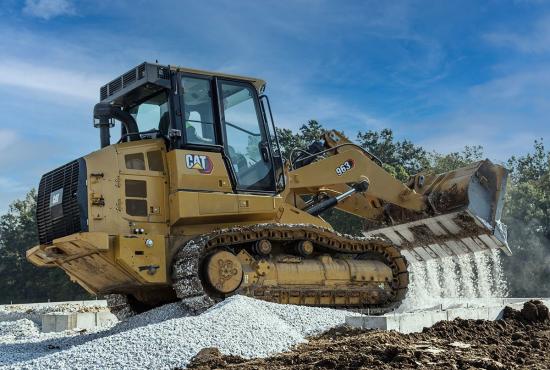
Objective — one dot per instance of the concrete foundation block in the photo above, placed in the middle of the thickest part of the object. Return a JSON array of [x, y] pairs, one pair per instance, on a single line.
[[509, 301], [479, 313], [411, 322], [105, 318], [415, 323], [30, 306], [86, 320], [58, 321], [355, 321], [494, 313], [448, 306], [48, 323], [436, 316], [390, 322]]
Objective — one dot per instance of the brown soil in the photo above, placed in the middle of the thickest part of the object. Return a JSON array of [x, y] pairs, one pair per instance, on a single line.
[[521, 340]]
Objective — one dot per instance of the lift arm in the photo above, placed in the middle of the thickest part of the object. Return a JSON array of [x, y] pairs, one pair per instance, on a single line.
[[431, 216], [348, 165]]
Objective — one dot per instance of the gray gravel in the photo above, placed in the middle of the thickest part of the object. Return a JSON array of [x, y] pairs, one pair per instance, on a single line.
[[19, 329], [167, 337]]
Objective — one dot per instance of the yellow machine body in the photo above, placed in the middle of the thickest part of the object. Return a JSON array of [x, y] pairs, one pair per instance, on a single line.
[[144, 200], [116, 257]]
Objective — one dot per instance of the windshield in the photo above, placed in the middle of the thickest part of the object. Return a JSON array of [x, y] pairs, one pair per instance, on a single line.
[[152, 114]]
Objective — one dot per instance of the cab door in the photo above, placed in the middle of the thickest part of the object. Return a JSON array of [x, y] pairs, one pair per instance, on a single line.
[[246, 141], [223, 173]]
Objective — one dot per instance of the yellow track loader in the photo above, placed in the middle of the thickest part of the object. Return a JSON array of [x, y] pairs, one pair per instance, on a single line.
[[194, 202]]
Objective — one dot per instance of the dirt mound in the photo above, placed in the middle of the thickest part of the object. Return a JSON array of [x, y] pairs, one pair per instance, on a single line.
[[532, 312], [520, 340]]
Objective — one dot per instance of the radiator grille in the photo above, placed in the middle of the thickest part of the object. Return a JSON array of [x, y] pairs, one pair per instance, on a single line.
[[61, 204]]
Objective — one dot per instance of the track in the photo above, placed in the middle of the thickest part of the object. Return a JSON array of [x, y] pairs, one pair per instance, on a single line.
[[189, 286]]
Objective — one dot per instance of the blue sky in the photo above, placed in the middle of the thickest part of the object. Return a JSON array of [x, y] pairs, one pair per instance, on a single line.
[[443, 74]]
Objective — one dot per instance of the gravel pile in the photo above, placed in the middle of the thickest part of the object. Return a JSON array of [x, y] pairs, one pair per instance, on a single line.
[[167, 337], [13, 330]]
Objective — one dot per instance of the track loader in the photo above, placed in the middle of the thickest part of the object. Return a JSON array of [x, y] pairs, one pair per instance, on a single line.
[[194, 202]]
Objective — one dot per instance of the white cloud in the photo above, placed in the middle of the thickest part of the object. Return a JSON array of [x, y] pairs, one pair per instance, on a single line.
[[10, 190], [63, 81], [7, 137], [479, 129], [329, 111], [516, 86], [9, 185], [535, 40], [47, 9]]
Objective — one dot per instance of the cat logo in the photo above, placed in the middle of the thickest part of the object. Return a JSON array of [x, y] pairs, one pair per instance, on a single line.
[[199, 162], [56, 197]]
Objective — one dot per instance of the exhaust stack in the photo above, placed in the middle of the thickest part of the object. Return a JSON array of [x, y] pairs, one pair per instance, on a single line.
[[105, 113]]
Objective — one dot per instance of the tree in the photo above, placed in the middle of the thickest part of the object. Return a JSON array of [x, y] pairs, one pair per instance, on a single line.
[[527, 215], [401, 158], [439, 163], [20, 281], [307, 134]]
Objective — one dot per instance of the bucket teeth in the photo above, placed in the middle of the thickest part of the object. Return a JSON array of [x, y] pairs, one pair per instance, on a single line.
[[442, 236]]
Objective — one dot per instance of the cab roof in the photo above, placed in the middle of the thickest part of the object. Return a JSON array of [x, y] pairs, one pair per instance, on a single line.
[[257, 82], [147, 78]]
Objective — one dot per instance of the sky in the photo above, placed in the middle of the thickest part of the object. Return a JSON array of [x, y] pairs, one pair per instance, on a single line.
[[443, 74]]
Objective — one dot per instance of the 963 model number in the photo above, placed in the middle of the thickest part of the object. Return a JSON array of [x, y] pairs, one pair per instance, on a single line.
[[344, 167]]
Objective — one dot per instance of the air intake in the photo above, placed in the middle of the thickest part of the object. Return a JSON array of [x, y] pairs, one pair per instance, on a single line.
[[143, 74]]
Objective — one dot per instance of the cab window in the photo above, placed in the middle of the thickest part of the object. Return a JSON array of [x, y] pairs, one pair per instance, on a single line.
[[199, 117], [152, 114]]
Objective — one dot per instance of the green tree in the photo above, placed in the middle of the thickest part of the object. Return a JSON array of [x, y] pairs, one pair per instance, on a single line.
[[527, 215], [439, 163], [20, 281], [401, 158], [307, 134]]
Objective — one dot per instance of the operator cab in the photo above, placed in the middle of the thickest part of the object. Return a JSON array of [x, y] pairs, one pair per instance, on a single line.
[[197, 110]]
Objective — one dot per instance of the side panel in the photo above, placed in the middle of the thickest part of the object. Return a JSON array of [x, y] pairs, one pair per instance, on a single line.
[[202, 199], [143, 256], [127, 188], [221, 209], [197, 170], [102, 264]]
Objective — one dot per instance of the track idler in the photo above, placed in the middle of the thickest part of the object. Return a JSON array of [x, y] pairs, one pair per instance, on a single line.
[[223, 271]]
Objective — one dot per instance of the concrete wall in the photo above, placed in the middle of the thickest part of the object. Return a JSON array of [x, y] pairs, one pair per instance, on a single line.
[[23, 306], [67, 315], [61, 321], [416, 321]]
